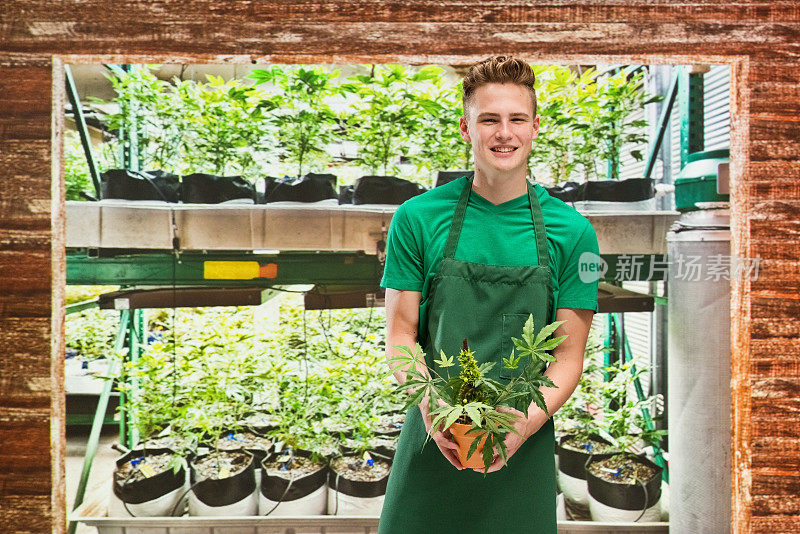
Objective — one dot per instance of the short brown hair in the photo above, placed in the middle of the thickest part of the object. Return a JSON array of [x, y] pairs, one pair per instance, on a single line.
[[498, 69]]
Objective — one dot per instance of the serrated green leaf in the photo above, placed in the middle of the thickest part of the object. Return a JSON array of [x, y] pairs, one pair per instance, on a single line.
[[545, 332], [528, 327], [488, 453], [474, 413], [543, 356], [539, 400], [457, 412], [485, 367], [445, 361], [511, 362], [473, 446], [417, 397], [502, 450], [550, 344], [545, 381], [435, 423]]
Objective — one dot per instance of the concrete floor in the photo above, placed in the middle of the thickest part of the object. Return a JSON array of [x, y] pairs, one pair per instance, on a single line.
[[102, 467]]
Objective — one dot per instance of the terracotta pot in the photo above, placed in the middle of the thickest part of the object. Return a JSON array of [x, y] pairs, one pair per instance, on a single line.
[[464, 441]]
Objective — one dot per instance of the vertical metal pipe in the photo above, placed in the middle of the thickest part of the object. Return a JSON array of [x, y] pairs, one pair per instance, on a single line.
[[658, 369], [699, 374], [83, 131], [663, 122], [100, 415]]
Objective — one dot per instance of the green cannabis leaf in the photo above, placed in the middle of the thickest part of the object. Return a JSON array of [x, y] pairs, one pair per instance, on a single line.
[[511, 362], [445, 361]]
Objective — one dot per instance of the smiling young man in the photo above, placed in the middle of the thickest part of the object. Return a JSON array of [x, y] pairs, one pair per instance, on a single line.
[[472, 259]]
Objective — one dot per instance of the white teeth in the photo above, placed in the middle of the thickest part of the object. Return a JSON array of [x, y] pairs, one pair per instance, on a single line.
[[504, 149]]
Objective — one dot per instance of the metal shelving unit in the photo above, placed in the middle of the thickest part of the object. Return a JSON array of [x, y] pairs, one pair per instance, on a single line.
[[312, 525]]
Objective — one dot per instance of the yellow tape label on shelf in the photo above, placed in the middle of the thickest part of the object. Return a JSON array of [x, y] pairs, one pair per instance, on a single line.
[[231, 270]]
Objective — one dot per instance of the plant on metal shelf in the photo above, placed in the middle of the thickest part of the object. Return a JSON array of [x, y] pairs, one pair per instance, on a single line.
[[438, 142], [303, 122], [387, 113]]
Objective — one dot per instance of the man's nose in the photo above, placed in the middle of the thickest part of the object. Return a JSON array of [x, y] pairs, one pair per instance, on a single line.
[[503, 129]]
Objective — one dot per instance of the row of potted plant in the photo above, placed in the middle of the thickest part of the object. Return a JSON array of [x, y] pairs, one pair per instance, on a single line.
[[357, 476], [246, 423], [294, 119], [246, 473], [316, 382], [606, 444]]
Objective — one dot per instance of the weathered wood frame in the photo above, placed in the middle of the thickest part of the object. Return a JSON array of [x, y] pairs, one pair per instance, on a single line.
[[758, 39]]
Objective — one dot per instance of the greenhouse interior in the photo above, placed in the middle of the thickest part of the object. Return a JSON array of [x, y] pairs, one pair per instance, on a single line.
[[226, 230]]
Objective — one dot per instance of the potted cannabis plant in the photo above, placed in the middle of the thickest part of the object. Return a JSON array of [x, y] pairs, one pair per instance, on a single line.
[[471, 398], [358, 478], [580, 427], [627, 486], [148, 482], [293, 482]]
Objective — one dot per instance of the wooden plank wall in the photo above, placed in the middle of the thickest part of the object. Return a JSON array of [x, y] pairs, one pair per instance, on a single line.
[[759, 39], [30, 465]]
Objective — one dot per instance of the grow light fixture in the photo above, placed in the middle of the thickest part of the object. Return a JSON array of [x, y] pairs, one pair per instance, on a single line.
[[185, 297], [327, 299]]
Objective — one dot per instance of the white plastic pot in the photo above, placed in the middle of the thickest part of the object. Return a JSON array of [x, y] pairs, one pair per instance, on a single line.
[[315, 503], [604, 513]]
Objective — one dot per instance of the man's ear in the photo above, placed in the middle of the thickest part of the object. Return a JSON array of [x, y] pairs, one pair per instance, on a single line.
[[536, 127], [462, 126]]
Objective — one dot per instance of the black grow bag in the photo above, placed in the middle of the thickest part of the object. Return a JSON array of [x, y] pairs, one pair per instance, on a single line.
[[395, 424], [225, 491], [274, 488], [201, 188], [630, 190], [139, 185], [384, 190], [257, 452], [147, 489], [310, 188], [382, 446], [359, 488], [568, 191], [345, 194], [573, 463], [626, 496]]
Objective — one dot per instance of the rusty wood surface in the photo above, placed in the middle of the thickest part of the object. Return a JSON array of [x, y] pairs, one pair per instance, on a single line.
[[31, 464], [760, 39], [766, 325], [418, 11], [433, 41]]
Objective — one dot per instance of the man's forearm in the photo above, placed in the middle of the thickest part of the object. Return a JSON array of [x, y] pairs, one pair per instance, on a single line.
[[566, 374], [409, 341], [566, 371]]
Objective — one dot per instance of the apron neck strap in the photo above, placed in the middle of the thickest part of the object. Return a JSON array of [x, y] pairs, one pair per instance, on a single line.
[[536, 216]]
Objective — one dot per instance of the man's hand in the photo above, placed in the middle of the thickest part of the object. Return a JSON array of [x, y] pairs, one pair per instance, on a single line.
[[565, 373], [443, 440], [526, 428]]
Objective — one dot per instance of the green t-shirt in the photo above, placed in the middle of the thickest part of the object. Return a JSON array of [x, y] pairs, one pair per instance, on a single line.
[[494, 235]]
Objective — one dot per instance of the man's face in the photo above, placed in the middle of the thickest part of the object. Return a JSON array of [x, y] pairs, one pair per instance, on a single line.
[[501, 127]]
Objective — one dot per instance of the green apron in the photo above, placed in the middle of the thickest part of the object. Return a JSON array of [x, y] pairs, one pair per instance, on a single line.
[[487, 304]]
